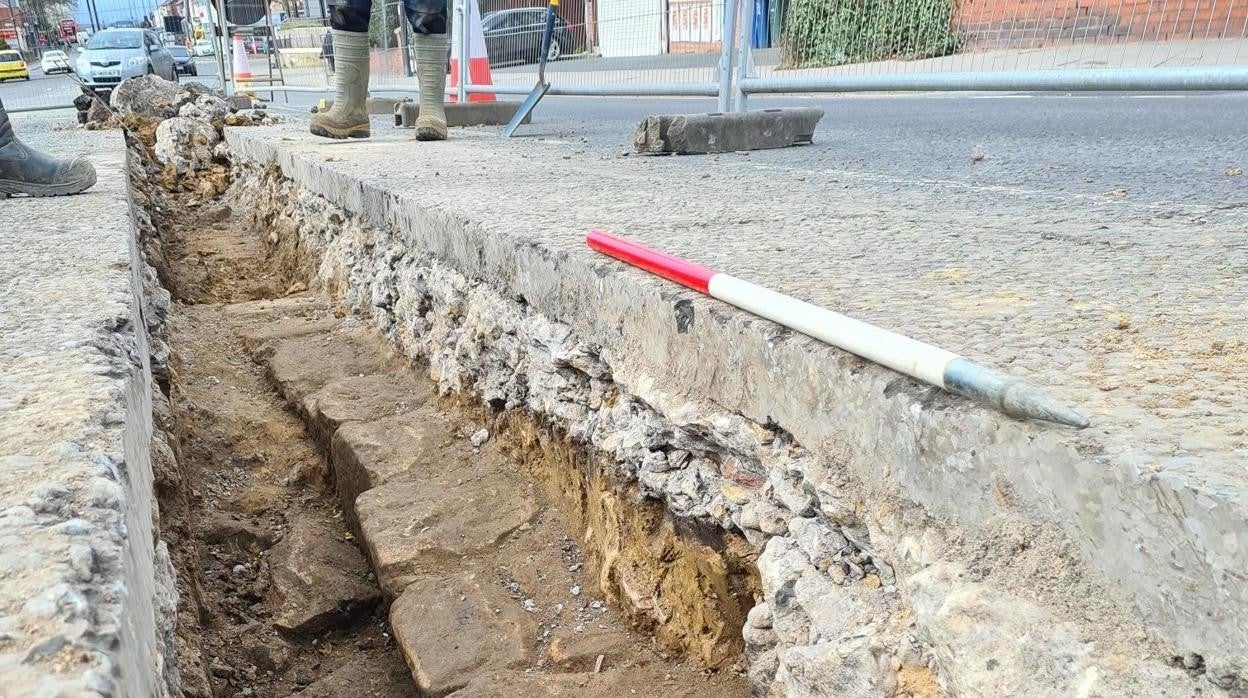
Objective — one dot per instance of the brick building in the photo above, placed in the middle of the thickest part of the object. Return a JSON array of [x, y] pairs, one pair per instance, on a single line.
[[1035, 23]]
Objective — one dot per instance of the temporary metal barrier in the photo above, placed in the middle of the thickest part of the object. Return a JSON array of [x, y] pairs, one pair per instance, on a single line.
[[1003, 45], [1079, 80], [729, 49]]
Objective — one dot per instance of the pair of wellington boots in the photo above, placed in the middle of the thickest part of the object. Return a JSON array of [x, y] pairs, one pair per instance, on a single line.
[[348, 118], [26, 171]]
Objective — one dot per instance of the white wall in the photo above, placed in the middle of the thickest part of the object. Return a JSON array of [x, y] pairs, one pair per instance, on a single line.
[[630, 27]]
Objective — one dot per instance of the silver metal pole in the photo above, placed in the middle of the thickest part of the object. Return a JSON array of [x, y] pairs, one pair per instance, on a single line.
[[725, 54], [20, 110], [461, 24], [1075, 80], [224, 49], [744, 52], [405, 42], [709, 89]]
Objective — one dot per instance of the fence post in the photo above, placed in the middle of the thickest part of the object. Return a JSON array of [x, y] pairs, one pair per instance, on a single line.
[[405, 41], [225, 50], [744, 53], [461, 25], [726, 56]]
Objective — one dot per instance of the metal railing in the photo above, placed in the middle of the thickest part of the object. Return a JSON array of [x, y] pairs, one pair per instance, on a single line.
[[734, 48], [1000, 45]]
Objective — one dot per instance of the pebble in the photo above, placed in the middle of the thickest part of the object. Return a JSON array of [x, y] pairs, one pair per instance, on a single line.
[[480, 436], [576, 590], [239, 569]]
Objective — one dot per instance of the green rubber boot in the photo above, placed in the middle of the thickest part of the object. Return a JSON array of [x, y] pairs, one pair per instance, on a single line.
[[348, 118], [431, 70]]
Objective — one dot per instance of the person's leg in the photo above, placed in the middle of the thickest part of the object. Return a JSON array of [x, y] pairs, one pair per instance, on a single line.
[[27, 171], [348, 118], [429, 42]]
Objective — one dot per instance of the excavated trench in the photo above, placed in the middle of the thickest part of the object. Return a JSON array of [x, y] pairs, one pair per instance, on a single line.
[[340, 528]]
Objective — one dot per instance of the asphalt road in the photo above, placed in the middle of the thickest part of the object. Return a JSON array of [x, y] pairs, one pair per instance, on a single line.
[[1166, 151]]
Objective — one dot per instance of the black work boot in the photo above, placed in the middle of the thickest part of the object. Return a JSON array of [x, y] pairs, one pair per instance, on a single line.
[[24, 170]]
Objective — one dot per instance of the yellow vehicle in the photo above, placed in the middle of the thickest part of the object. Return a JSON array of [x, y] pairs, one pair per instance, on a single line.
[[13, 66]]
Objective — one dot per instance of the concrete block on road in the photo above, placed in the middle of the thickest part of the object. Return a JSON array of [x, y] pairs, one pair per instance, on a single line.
[[724, 133], [459, 115], [385, 105]]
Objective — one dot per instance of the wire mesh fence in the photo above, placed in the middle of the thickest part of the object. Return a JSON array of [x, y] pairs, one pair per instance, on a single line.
[[827, 38], [607, 47], [677, 47]]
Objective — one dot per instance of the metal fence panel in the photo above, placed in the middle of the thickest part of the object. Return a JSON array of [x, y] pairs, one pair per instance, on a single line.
[[836, 45]]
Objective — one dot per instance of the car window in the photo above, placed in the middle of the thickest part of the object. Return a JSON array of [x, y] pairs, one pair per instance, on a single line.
[[115, 40], [10, 57], [54, 54], [179, 51]]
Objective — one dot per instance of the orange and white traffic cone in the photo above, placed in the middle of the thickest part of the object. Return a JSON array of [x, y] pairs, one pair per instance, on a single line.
[[478, 57], [242, 68]]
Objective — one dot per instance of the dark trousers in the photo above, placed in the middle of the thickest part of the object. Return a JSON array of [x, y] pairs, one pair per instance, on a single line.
[[425, 16]]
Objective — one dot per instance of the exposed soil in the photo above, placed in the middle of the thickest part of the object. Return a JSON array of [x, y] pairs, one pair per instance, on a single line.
[[278, 593], [249, 471]]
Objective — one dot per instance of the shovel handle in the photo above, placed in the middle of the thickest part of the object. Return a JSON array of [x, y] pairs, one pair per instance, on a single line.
[[547, 35]]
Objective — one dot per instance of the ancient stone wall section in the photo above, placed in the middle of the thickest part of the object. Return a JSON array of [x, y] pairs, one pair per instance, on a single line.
[[702, 462], [835, 618]]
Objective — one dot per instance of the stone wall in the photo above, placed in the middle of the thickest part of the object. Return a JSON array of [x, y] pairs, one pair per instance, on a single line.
[[865, 590]]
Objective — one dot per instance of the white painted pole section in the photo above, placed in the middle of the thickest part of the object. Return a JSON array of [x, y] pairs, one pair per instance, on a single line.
[[910, 357], [898, 352]]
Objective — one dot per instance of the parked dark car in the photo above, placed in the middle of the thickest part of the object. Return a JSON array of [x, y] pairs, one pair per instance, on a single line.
[[515, 36], [183, 61]]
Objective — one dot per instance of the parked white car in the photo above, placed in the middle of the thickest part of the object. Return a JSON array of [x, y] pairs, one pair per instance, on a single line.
[[203, 47], [115, 55], [56, 62]]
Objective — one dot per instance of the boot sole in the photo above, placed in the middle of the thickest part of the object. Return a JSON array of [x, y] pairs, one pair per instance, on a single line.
[[428, 133], [9, 187], [339, 133]]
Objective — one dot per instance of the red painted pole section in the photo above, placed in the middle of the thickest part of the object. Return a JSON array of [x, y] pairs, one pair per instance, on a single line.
[[685, 273]]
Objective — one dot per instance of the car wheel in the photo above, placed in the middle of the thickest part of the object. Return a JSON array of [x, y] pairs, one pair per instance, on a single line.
[[556, 49], [27, 77]]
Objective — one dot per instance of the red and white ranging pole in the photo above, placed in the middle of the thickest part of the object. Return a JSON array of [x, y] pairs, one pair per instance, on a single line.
[[920, 360]]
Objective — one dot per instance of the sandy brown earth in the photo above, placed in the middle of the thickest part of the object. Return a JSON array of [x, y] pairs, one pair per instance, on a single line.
[[279, 593]]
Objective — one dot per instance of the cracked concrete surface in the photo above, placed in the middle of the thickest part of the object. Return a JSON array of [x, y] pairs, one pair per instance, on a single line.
[[86, 587]]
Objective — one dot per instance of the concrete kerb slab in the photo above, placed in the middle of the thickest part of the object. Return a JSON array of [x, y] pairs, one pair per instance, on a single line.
[[86, 592], [460, 115], [885, 443], [695, 134]]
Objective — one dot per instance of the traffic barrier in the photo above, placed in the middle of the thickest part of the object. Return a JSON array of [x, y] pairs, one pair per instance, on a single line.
[[478, 58], [242, 68]]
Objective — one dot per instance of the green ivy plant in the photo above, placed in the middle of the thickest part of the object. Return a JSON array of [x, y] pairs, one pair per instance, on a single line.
[[834, 32]]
